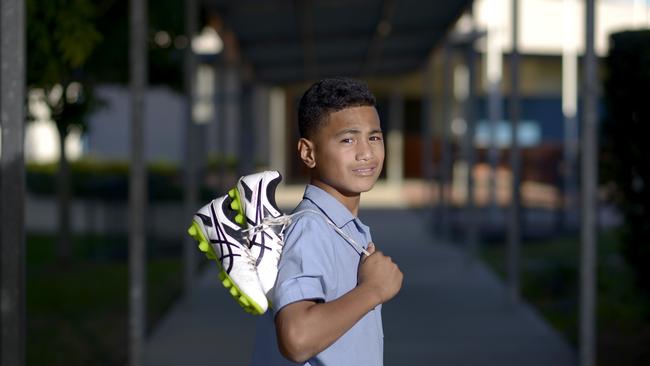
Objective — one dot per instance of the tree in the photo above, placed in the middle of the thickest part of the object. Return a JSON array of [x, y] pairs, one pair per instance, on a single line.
[[109, 62], [626, 151], [61, 35], [73, 45]]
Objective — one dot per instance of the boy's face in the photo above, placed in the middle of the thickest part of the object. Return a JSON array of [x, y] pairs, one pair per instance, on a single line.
[[347, 152]]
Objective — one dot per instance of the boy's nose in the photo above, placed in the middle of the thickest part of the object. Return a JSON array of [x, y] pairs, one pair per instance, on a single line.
[[364, 151]]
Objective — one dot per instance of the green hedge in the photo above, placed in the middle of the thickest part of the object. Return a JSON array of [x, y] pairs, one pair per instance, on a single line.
[[107, 180]]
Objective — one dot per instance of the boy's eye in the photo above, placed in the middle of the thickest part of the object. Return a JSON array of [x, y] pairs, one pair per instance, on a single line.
[[375, 138], [346, 140]]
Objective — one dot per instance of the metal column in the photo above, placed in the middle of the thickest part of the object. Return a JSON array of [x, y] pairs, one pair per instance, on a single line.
[[12, 182], [493, 72], [137, 184], [470, 118], [588, 198], [569, 110], [191, 189], [425, 128], [514, 220], [446, 150]]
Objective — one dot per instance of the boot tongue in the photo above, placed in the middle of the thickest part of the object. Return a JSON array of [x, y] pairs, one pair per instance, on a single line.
[[268, 213], [270, 191]]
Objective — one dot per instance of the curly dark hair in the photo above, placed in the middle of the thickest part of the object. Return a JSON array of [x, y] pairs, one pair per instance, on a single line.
[[328, 96]]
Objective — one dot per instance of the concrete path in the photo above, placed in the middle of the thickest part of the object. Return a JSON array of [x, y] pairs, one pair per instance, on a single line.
[[451, 311]]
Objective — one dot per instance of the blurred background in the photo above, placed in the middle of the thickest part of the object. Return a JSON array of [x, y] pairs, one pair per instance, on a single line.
[[513, 195]]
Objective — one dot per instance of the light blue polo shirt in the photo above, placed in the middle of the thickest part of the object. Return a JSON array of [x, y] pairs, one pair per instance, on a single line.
[[318, 264]]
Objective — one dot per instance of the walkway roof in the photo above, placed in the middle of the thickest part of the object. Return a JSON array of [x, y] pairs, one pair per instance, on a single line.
[[289, 41]]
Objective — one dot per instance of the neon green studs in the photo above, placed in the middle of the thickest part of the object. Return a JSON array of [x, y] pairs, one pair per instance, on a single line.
[[244, 301], [203, 246], [237, 206], [195, 233], [234, 205]]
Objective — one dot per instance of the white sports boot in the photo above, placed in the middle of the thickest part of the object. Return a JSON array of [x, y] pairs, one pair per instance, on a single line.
[[256, 192], [220, 238]]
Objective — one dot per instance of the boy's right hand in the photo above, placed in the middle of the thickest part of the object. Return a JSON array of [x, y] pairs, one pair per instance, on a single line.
[[380, 274]]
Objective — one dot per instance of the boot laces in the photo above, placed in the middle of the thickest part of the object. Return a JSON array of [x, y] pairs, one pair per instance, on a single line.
[[285, 220]]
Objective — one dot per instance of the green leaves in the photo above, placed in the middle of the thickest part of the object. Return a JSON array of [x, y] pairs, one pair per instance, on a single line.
[[75, 33], [61, 35]]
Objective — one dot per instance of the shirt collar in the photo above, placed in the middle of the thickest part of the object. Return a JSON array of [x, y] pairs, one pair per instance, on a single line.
[[334, 209]]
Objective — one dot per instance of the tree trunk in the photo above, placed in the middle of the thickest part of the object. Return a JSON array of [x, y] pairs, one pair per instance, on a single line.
[[64, 245]]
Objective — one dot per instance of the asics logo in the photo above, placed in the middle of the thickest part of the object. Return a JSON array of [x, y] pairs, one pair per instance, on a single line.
[[259, 239], [226, 246], [205, 219]]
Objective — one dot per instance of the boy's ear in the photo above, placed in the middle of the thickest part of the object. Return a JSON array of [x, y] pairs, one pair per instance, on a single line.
[[306, 152]]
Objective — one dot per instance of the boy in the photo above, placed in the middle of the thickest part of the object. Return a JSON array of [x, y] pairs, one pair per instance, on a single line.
[[326, 303]]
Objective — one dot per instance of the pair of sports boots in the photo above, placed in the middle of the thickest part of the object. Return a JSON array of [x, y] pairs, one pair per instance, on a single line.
[[243, 232]]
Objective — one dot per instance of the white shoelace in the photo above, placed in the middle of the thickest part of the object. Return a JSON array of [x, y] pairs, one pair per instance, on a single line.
[[285, 221]]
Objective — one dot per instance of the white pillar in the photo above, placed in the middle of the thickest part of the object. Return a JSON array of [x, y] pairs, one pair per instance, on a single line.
[[261, 124], [493, 72], [232, 101], [395, 140], [278, 130], [569, 107]]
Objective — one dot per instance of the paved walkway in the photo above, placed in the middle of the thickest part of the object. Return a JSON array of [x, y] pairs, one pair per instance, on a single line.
[[451, 311]]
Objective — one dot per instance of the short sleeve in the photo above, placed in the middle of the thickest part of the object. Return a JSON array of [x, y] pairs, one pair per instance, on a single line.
[[306, 265]]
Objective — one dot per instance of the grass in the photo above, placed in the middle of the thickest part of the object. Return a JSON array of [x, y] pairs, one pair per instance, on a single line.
[[550, 281], [77, 311]]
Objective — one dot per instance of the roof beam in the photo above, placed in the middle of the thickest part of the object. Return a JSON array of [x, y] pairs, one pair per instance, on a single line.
[[333, 58], [287, 72], [338, 36]]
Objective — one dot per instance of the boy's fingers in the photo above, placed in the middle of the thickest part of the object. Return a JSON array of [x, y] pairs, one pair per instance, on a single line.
[[368, 251]]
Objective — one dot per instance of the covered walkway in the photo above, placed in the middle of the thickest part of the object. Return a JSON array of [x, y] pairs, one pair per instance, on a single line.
[[452, 310]]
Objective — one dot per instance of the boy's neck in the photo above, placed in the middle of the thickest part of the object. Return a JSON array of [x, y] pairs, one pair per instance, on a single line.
[[351, 202]]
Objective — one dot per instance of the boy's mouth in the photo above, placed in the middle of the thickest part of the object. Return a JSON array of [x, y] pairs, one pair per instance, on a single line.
[[365, 170]]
